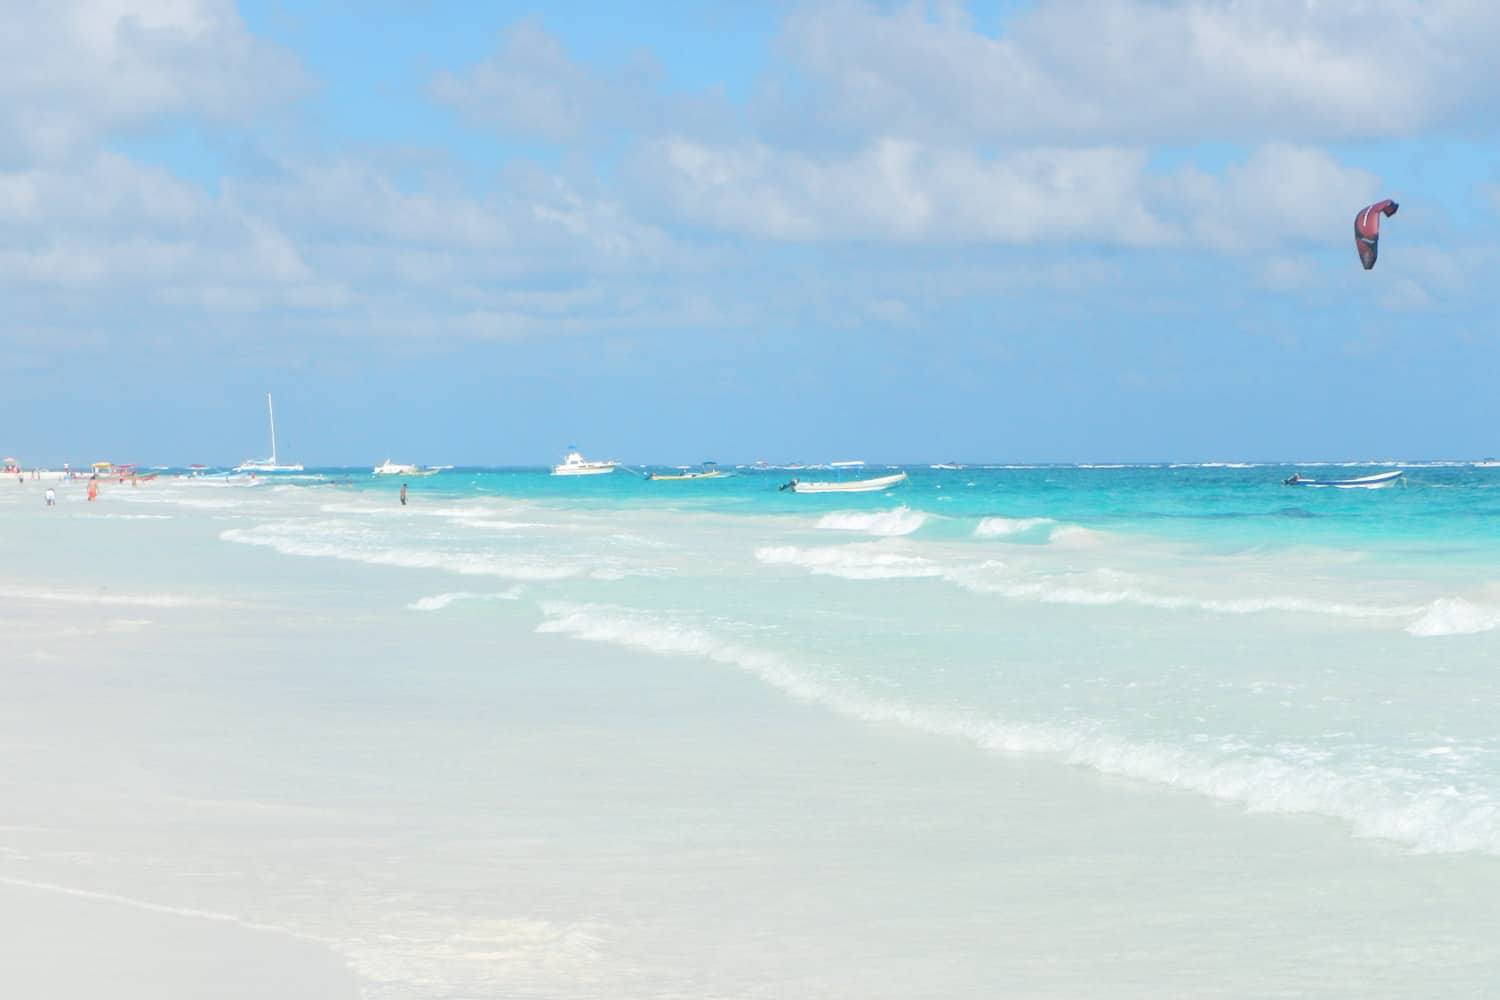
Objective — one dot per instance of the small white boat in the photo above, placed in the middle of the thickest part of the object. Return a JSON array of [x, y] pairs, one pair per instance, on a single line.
[[874, 485], [710, 470], [576, 465], [267, 464], [389, 468], [1375, 482]]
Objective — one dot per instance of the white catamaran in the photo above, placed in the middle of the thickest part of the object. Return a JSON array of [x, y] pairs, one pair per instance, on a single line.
[[267, 464]]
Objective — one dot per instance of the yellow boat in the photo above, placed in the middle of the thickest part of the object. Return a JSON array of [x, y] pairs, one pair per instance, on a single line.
[[710, 471]]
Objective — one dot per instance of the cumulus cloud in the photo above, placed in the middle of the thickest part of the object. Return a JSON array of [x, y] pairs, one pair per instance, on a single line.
[[933, 140], [530, 87], [1102, 71], [900, 191], [338, 242], [72, 71], [1279, 194]]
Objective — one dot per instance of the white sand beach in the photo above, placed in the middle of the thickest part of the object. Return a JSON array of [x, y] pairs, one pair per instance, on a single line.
[[60, 943], [229, 772]]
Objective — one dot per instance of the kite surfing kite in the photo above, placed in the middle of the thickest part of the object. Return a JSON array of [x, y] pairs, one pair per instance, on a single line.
[[1367, 229]]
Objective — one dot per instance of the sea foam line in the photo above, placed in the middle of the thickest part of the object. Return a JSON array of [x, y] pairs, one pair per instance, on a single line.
[[899, 521], [462, 563], [867, 561], [860, 561], [129, 600], [150, 907], [1001, 527], [1454, 616], [439, 601], [1437, 821]]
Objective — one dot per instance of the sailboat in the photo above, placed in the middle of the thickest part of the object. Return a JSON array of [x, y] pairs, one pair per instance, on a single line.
[[267, 464]]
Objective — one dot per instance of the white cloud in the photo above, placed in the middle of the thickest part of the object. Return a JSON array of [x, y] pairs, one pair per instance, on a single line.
[[1102, 71], [529, 85], [895, 190], [72, 71], [901, 192], [1279, 194], [339, 241]]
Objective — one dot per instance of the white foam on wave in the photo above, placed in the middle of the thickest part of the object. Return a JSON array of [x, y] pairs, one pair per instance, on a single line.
[[1105, 587], [439, 601], [393, 509], [1454, 616], [860, 561], [1438, 820], [201, 503], [132, 517], [1075, 536], [1002, 527], [1098, 588], [278, 538], [101, 597], [899, 521], [150, 907], [496, 524]]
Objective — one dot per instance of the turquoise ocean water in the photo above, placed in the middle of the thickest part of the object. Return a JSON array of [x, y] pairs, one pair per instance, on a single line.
[[501, 741], [1327, 650]]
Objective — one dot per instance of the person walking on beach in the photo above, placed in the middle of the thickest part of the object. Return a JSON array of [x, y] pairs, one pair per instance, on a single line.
[[403, 494], [93, 489], [51, 497]]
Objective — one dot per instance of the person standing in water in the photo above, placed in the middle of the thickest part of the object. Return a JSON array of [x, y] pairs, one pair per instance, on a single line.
[[403, 494], [93, 489], [51, 497]]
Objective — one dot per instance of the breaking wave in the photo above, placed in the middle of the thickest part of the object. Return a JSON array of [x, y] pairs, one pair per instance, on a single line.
[[900, 521], [1372, 803]]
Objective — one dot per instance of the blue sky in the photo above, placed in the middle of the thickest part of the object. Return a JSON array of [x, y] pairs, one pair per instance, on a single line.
[[1066, 230]]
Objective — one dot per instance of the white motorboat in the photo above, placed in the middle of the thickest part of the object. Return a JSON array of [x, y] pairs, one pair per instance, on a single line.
[[267, 464], [389, 468], [576, 465], [1375, 482], [874, 485]]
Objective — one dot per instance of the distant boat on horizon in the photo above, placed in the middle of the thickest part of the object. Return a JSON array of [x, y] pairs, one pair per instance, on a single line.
[[873, 485], [576, 465], [1375, 482], [389, 468], [267, 464], [710, 470]]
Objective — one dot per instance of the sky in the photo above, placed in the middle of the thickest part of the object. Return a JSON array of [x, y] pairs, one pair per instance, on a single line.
[[477, 234]]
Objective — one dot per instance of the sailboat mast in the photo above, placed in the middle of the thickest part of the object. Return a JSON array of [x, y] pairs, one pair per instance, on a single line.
[[272, 414]]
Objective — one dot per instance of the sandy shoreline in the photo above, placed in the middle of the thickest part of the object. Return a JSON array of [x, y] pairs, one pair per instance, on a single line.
[[66, 945], [462, 807]]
